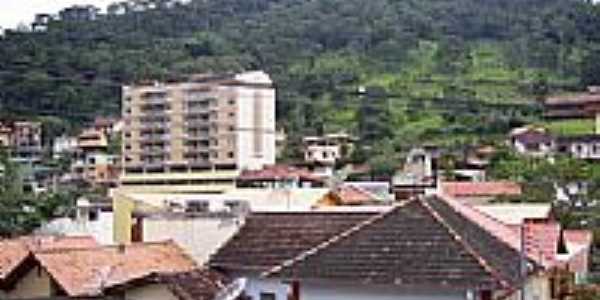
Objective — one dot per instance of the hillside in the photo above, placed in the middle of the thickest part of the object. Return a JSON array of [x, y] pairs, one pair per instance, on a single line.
[[448, 71]]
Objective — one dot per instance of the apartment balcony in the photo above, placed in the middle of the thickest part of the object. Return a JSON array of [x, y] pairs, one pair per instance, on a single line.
[[155, 137], [197, 124], [156, 149], [156, 113], [196, 150], [154, 125], [198, 137], [155, 100], [197, 110]]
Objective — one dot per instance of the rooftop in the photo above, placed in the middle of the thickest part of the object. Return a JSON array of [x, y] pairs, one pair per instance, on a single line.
[[200, 284], [515, 214], [14, 251], [481, 189], [268, 239], [86, 272], [278, 172], [423, 242]]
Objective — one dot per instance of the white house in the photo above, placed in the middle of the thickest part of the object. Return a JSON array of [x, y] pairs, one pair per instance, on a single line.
[[532, 141]]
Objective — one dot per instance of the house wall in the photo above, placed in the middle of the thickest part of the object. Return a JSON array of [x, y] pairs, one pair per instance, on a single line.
[[36, 283], [335, 291], [256, 127], [154, 292], [537, 288], [542, 149], [101, 229], [122, 217], [199, 237], [585, 150]]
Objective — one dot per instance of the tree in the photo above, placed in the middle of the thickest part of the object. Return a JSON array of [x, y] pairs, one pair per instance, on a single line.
[[21, 213], [590, 71]]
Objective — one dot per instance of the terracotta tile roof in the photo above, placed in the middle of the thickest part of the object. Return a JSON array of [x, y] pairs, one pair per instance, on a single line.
[[353, 195], [542, 236], [267, 239], [481, 189], [14, 251], [542, 241], [422, 243], [278, 172], [509, 234], [200, 284], [578, 237], [85, 272]]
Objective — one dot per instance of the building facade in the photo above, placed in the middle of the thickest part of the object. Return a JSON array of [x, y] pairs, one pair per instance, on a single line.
[[204, 124]]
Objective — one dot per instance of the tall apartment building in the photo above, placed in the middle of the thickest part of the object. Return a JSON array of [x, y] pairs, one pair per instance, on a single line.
[[204, 124]]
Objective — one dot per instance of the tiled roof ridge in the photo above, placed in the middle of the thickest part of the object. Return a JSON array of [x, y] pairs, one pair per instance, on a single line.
[[458, 238], [107, 247], [364, 191], [492, 218], [324, 245], [310, 212]]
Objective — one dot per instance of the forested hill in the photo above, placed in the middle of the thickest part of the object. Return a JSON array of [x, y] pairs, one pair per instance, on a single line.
[[436, 69]]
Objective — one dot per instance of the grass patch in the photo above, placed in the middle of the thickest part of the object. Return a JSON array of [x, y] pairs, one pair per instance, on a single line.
[[571, 127]]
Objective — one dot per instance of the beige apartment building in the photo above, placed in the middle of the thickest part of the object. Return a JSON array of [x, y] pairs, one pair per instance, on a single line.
[[197, 132]]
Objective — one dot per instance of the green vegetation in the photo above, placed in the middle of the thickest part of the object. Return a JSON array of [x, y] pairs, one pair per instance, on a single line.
[[571, 127], [21, 213], [447, 71]]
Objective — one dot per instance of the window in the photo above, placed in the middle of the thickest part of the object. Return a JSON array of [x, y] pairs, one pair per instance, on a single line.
[[93, 215], [231, 101], [231, 155], [267, 296]]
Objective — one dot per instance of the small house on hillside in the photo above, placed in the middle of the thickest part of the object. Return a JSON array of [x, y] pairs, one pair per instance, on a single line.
[[532, 141]]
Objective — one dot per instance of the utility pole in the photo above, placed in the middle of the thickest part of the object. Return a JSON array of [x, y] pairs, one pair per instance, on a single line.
[[523, 261]]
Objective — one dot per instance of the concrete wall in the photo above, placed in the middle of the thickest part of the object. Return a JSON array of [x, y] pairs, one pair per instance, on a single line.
[[36, 283], [199, 237], [335, 291], [249, 101], [537, 288], [101, 229], [153, 292], [585, 150], [122, 212]]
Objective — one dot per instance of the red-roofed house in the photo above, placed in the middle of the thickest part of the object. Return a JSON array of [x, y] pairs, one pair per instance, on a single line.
[[279, 176], [479, 192], [135, 271], [350, 195]]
